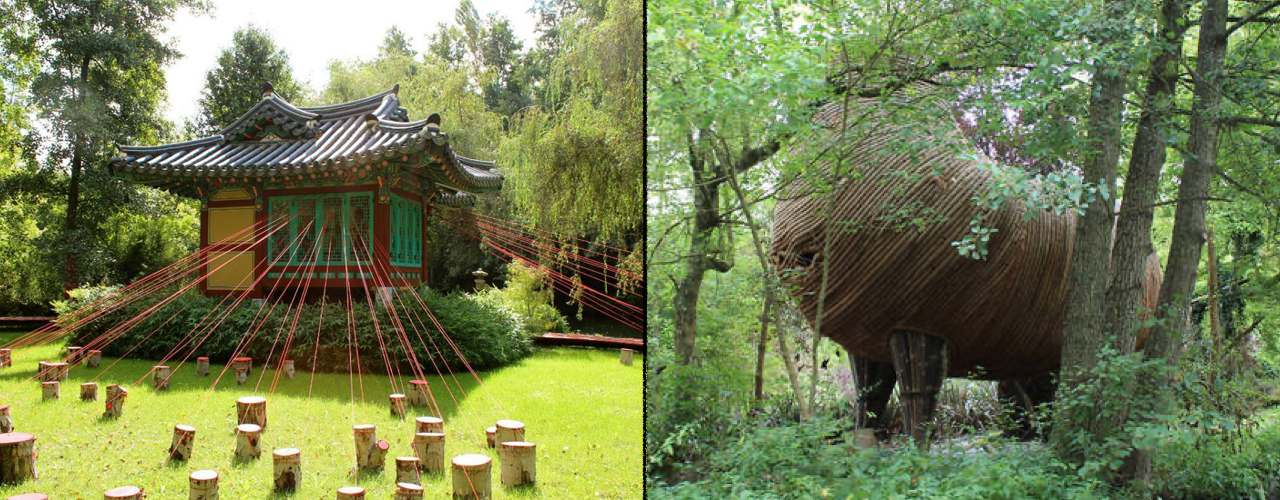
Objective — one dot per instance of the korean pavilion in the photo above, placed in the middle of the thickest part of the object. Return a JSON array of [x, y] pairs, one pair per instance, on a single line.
[[358, 176]]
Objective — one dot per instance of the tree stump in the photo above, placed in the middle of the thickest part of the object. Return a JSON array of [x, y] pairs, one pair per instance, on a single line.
[[865, 439], [471, 477], [518, 462], [429, 424], [407, 470], [509, 430], [95, 358], [89, 391], [245, 363], [73, 354], [626, 355], [288, 467], [6, 358], [184, 438], [920, 362], [408, 491], [132, 492], [418, 393], [350, 493], [116, 394], [51, 389], [29, 496], [49, 372], [252, 410], [17, 457], [60, 371], [202, 366], [242, 375], [371, 453], [247, 437], [429, 446], [43, 371], [288, 368], [397, 402], [6, 424], [160, 377], [204, 485]]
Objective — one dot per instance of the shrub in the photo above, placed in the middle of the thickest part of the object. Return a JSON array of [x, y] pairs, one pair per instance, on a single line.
[[195, 325], [529, 299]]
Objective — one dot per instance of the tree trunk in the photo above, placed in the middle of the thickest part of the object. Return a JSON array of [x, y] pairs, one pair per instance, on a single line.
[[706, 206], [73, 191]]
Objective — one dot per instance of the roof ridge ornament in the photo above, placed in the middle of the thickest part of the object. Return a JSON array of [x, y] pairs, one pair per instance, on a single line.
[[433, 123], [267, 90]]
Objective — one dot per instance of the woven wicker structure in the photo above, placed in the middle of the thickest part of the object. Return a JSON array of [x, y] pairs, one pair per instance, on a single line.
[[999, 318]]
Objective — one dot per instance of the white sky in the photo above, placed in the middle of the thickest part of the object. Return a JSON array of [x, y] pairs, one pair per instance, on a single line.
[[312, 33]]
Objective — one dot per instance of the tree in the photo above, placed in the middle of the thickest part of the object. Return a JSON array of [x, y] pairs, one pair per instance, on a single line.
[[233, 86], [396, 44]]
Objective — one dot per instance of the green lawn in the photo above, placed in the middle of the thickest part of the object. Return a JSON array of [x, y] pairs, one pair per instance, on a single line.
[[580, 406]]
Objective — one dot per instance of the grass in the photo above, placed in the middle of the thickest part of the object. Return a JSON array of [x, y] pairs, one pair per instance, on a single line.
[[581, 407]]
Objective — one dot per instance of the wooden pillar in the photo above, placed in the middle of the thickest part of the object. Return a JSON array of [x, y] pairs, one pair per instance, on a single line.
[[920, 361], [89, 391], [247, 438], [407, 470], [489, 432], [509, 430], [408, 491], [873, 382], [288, 468], [160, 377], [202, 366], [397, 402], [350, 493], [288, 368], [418, 393], [518, 462], [131, 492], [471, 477], [6, 424], [252, 410], [51, 389], [371, 452], [429, 424], [204, 485], [429, 446], [17, 457], [116, 395], [95, 358], [626, 355], [184, 439]]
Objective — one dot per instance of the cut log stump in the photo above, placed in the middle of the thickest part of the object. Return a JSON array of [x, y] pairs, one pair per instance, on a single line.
[[288, 368], [252, 410], [51, 389], [6, 423], [89, 391], [204, 485], [471, 477], [489, 433], [429, 446], [17, 457], [509, 430], [518, 462], [419, 392], [407, 470], [49, 371], [95, 358], [131, 492], [626, 356], [116, 395], [408, 491], [397, 402], [184, 439], [429, 424], [243, 362], [6, 358], [202, 366], [73, 354], [29, 496], [247, 439], [288, 468], [160, 377], [371, 453], [350, 493]]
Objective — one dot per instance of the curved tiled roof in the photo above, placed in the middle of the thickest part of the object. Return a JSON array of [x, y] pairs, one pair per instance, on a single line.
[[316, 139]]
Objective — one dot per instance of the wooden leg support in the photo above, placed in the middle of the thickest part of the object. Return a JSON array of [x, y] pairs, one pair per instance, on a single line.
[[874, 383], [920, 361]]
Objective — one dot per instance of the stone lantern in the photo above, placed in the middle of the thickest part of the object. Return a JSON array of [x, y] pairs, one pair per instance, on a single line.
[[480, 275]]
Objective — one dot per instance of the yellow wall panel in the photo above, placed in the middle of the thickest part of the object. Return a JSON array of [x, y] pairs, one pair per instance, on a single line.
[[230, 194], [230, 270], [224, 222]]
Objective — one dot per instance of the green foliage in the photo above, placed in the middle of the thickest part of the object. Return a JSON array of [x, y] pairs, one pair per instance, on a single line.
[[484, 335], [529, 298], [233, 86]]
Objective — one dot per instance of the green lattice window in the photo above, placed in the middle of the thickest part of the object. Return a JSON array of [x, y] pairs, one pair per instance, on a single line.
[[341, 223], [406, 232]]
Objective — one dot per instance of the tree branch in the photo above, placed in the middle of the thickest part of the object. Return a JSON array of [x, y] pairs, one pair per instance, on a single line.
[[1261, 10]]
